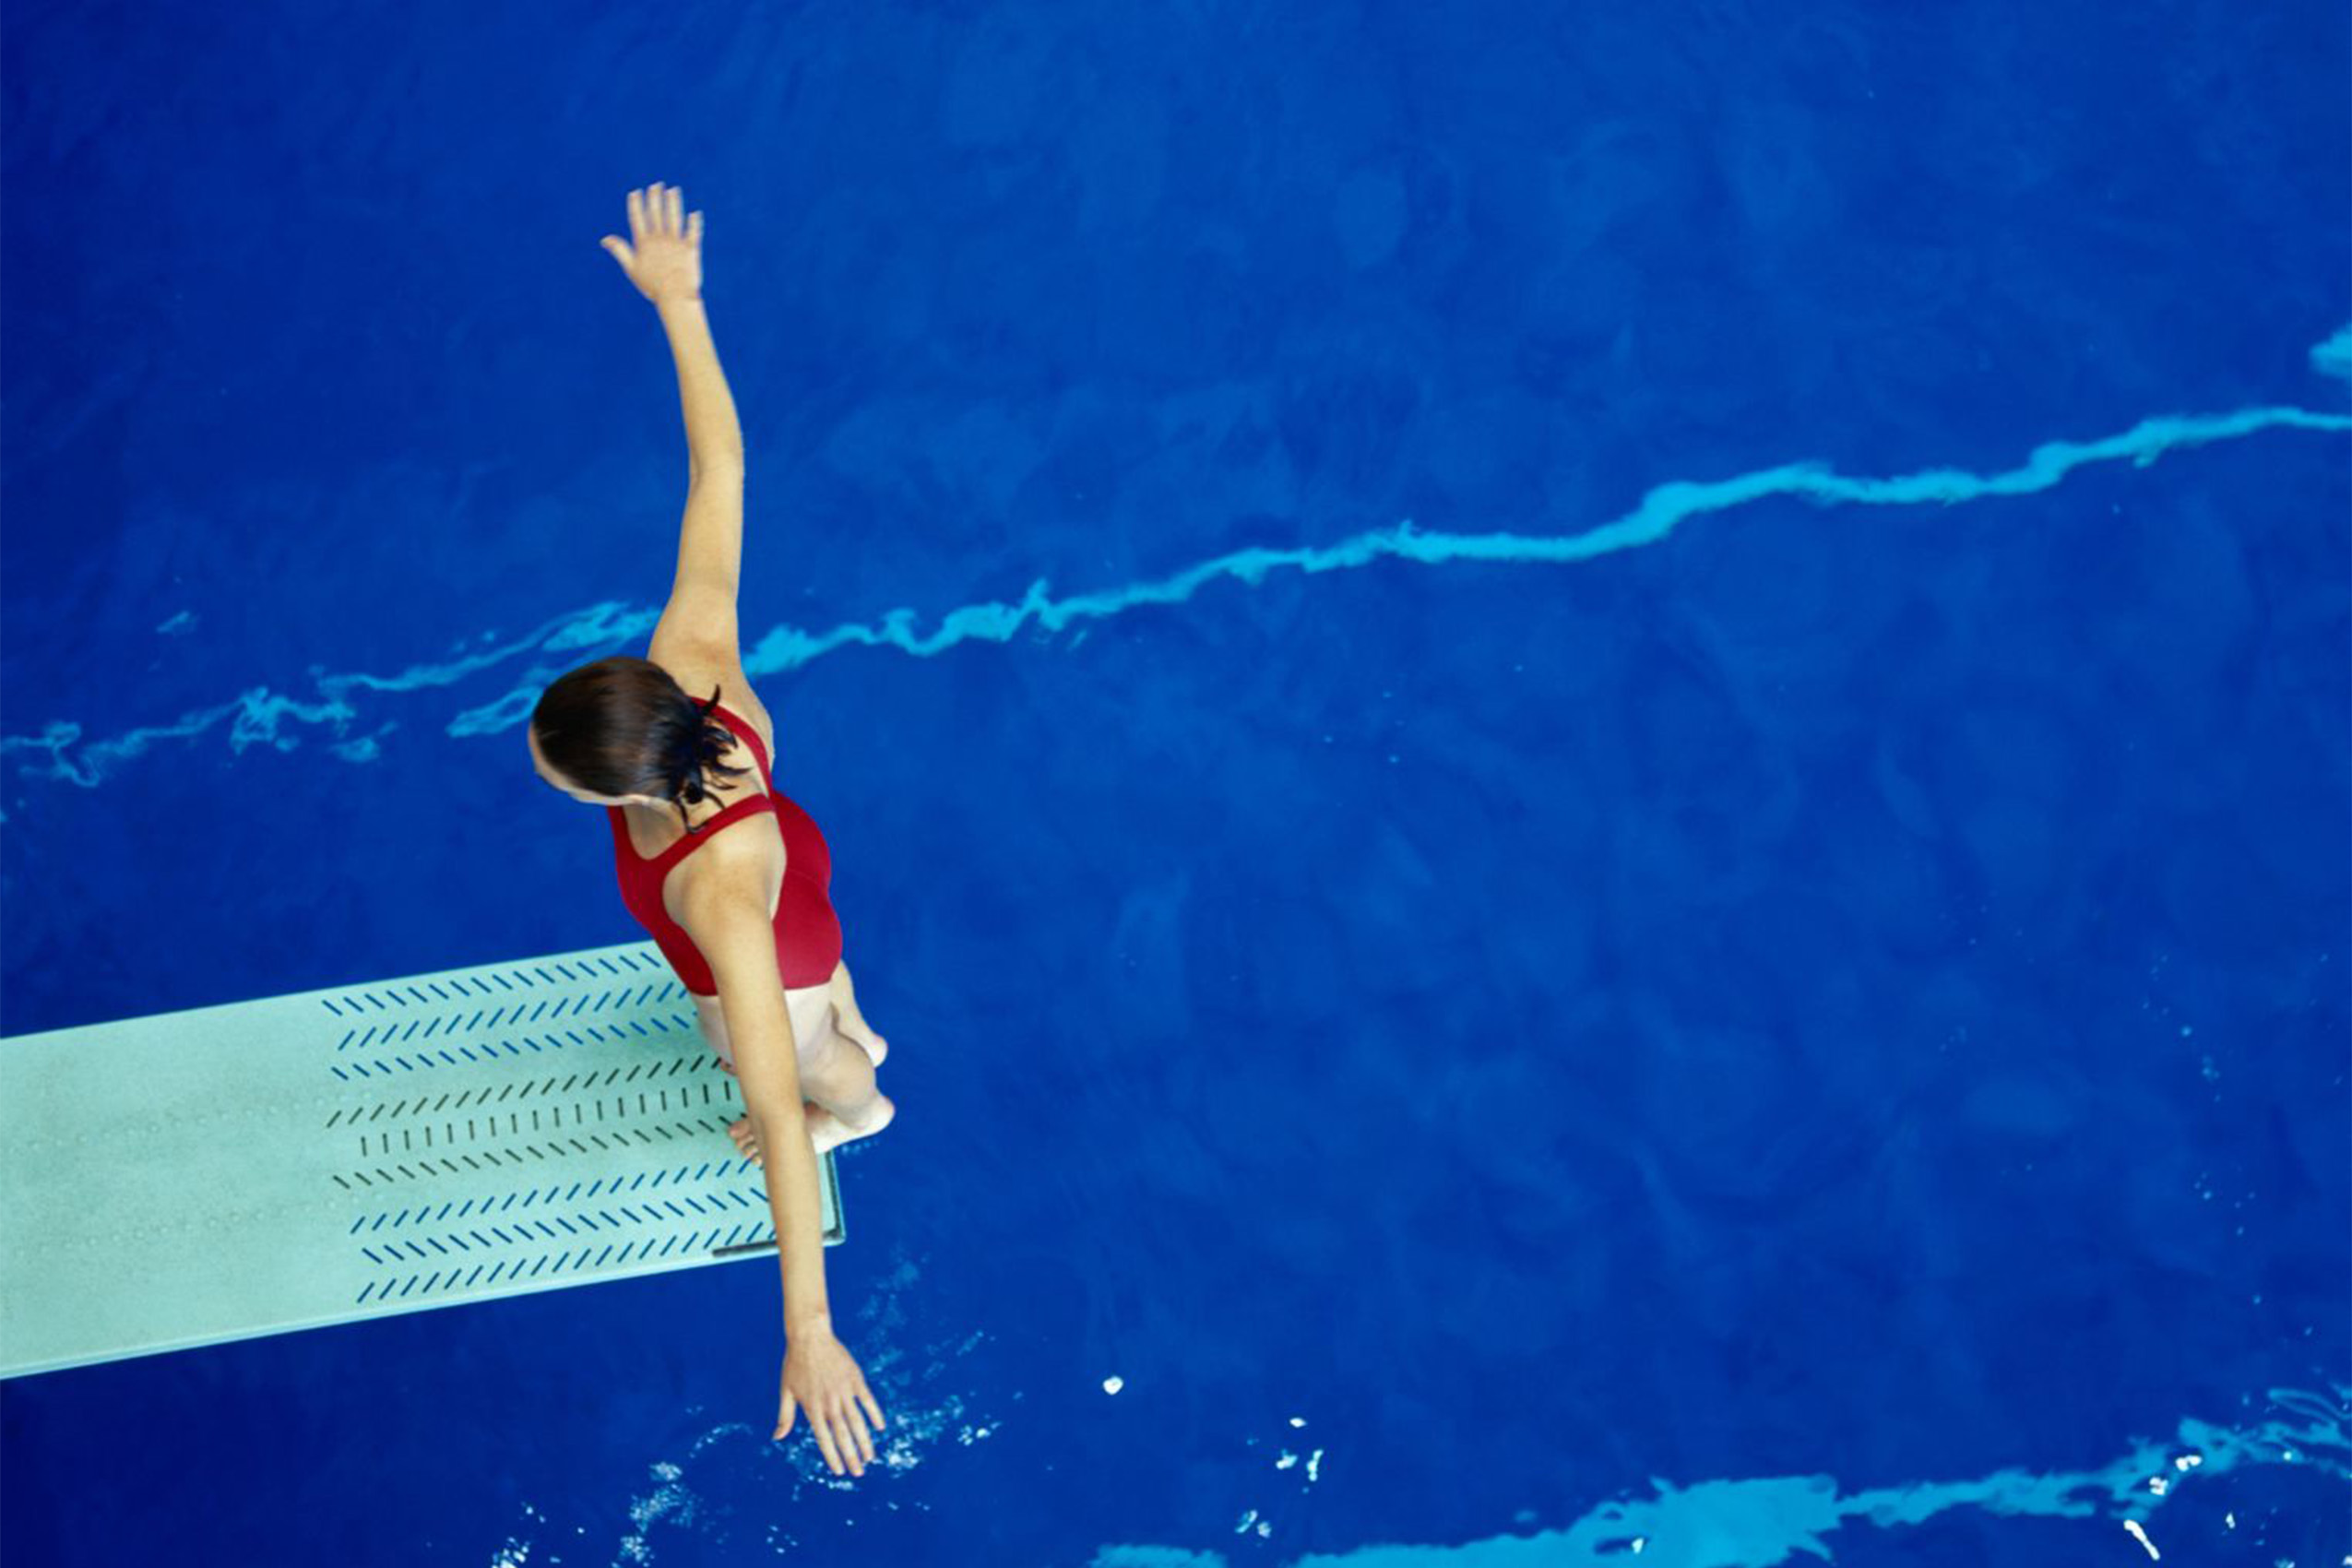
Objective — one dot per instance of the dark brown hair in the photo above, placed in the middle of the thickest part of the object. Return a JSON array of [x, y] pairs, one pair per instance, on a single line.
[[623, 726]]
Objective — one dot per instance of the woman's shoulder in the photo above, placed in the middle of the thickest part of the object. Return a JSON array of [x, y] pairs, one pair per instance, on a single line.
[[735, 860], [701, 672]]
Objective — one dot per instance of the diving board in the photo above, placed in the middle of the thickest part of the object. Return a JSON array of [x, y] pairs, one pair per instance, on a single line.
[[226, 1172]]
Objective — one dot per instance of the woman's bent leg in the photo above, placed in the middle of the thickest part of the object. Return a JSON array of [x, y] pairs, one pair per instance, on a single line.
[[852, 1022], [849, 1105]]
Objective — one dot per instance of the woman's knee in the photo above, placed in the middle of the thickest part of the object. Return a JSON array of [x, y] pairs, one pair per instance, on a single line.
[[830, 1064]]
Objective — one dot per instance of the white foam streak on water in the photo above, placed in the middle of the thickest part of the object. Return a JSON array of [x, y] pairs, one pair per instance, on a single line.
[[1767, 1521], [260, 717], [2335, 356]]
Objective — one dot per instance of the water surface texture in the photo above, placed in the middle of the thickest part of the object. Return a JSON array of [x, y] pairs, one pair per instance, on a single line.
[[1592, 760]]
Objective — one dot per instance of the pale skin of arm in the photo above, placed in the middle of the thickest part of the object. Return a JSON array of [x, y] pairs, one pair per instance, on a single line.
[[726, 912]]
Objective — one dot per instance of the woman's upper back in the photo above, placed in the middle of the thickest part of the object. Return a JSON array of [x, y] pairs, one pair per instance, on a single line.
[[656, 851], [659, 866]]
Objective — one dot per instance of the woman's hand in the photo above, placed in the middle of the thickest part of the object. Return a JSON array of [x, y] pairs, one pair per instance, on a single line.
[[820, 1377], [665, 262]]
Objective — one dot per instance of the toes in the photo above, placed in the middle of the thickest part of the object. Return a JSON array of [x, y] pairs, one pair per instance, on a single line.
[[746, 1142]]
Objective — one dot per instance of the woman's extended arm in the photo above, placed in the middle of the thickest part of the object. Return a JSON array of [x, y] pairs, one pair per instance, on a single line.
[[714, 438], [727, 915], [663, 258]]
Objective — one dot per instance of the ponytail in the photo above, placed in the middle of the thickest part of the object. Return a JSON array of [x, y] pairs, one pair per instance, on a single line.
[[699, 745]]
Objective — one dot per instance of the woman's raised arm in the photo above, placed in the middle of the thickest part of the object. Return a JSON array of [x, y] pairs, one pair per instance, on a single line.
[[665, 264]]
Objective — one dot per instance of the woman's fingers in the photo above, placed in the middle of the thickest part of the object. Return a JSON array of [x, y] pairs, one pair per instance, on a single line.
[[618, 249], [660, 208], [849, 1439], [825, 1441], [660, 211], [854, 1422], [865, 1397]]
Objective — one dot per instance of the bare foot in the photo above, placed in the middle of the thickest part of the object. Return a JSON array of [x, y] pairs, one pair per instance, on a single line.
[[746, 1140], [827, 1131]]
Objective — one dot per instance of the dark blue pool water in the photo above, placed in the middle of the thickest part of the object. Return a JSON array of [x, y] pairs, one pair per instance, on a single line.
[[1591, 761]]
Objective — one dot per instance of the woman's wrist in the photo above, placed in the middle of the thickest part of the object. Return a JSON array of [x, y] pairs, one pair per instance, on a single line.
[[809, 1325], [663, 302]]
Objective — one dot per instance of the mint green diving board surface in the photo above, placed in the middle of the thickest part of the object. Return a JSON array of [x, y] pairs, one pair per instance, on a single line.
[[286, 1163]]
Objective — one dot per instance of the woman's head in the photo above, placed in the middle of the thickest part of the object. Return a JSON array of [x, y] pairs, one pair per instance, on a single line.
[[622, 730]]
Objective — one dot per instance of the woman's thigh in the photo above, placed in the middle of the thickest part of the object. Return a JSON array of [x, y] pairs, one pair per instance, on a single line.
[[811, 1008]]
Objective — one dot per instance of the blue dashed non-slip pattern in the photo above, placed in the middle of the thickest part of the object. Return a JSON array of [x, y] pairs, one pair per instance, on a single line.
[[348, 1153]]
